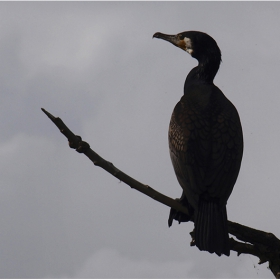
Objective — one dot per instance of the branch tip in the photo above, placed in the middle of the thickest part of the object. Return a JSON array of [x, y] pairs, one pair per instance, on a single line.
[[48, 114]]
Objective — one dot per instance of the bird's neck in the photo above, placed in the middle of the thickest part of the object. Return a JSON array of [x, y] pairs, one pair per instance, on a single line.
[[205, 72]]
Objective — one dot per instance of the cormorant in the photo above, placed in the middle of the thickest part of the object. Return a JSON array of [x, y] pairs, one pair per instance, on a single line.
[[205, 144]]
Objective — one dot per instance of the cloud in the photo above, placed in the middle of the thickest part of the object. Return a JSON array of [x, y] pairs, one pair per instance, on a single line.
[[95, 65], [108, 263]]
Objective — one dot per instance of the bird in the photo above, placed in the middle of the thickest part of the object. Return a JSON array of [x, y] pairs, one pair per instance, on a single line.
[[205, 144]]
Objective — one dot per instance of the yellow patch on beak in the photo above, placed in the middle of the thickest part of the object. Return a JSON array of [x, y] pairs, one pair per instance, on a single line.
[[182, 44], [186, 45]]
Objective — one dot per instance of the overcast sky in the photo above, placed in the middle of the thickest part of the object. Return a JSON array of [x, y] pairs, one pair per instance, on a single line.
[[96, 66]]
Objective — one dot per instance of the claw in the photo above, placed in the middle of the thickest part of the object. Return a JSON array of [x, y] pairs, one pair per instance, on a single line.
[[178, 216], [172, 216]]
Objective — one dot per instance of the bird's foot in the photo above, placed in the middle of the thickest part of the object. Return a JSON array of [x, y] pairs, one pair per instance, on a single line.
[[179, 216]]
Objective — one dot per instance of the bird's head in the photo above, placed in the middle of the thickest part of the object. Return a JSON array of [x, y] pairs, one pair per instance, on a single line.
[[198, 44]]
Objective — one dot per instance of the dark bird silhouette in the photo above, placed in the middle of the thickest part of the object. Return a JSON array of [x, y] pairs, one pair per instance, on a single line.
[[205, 144]]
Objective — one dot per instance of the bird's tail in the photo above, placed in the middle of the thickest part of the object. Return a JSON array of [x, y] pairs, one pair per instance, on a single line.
[[211, 231]]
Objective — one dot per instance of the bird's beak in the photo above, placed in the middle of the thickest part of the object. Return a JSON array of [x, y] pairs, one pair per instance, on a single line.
[[170, 38], [173, 39]]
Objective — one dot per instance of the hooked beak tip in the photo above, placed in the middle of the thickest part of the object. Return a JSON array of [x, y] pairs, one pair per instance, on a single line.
[[156, 35]]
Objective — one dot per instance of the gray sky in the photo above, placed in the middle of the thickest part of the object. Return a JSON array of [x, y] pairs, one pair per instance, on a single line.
[[96, 66]]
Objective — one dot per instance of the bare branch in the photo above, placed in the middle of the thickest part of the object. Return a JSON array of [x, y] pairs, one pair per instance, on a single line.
[[258, 243], [81, 146]]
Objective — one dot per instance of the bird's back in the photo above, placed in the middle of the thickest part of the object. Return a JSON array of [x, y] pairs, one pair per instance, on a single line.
[[205, 143], [206, 146]]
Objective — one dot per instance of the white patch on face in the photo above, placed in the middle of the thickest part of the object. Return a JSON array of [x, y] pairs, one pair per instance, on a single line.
[[188, 44]]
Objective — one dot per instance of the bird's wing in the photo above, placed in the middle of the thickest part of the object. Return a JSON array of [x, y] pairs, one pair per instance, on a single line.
[[205, 151]]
